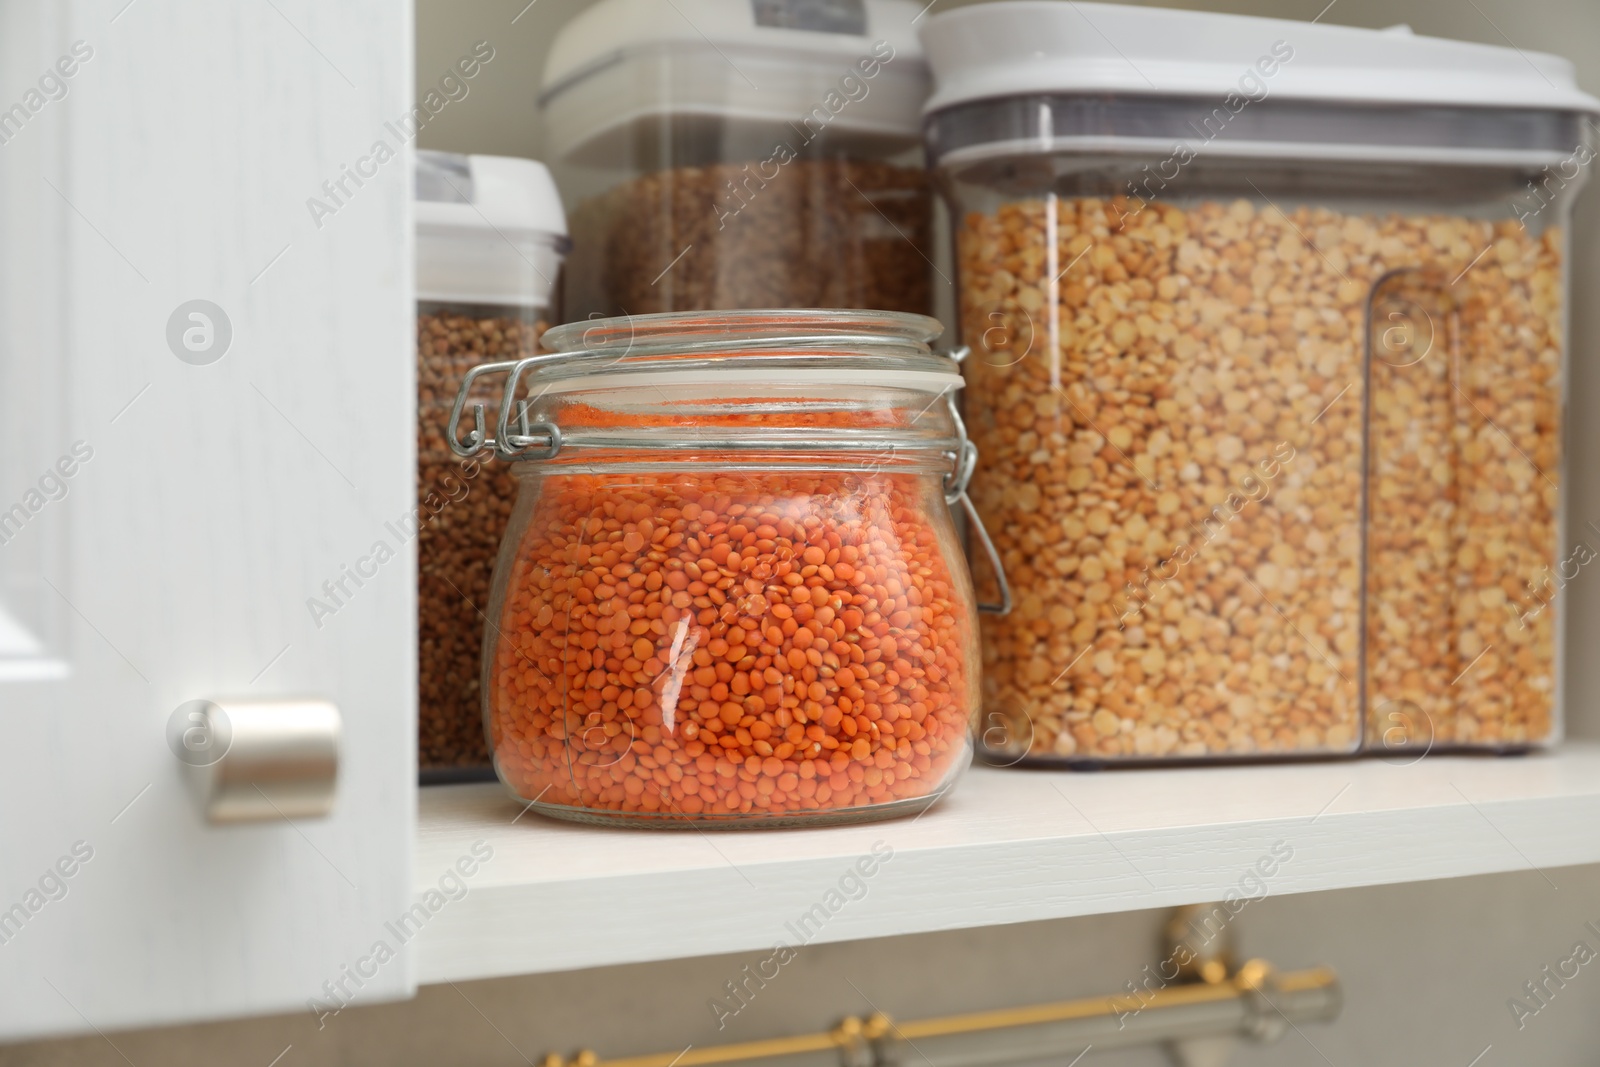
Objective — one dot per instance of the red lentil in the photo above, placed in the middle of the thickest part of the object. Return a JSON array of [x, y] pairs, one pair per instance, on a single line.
[[732, 644]]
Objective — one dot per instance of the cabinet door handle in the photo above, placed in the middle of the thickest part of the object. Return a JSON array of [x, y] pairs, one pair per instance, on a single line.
[[267, 759]]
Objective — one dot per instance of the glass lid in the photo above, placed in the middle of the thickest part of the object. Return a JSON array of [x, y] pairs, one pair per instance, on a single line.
[[720, 330], [781, 348], [718, 381]]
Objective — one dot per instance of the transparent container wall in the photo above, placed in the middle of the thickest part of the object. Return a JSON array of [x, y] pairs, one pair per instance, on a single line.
[[700, 213], [1464, 538], [1227, 540], [463, 506], [772, 647]]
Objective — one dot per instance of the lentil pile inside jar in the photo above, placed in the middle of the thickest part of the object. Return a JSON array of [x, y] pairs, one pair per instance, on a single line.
[[462, 506], [783, 634], [1168, 400]]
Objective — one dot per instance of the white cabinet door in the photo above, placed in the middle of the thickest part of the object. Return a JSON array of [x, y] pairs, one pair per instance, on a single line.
[[174, 490]]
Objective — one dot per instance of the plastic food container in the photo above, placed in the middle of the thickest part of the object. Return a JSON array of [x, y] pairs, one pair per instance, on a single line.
[[731, 592], [490, 238], [741, 154], [1268, 324]]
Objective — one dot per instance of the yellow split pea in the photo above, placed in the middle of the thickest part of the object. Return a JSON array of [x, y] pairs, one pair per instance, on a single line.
[[1168, 405]]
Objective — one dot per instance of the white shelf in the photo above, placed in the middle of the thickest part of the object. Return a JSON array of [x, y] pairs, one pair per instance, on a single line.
[[1005, 846]]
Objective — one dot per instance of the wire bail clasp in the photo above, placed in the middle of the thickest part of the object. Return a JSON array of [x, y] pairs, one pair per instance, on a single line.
[[963, 462], [529, 440]]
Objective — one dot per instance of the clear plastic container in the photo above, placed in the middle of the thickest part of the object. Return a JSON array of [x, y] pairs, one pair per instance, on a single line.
[[490, 237], [741, 154], [1268, 376], [731, 592]]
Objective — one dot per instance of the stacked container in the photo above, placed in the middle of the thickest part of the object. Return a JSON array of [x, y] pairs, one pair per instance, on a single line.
[[490, 240], [1268, 327], [741, 154]]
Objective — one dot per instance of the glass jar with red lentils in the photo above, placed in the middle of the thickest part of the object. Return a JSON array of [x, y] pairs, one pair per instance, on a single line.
[[731, 592]]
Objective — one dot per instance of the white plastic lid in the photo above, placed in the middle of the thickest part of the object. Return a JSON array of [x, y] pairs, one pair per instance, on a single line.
[[621, 62], [490, 229], [1020, 47]]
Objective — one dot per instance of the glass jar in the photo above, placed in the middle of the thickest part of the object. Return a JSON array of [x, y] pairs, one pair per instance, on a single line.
[[741, 154], [1267, 378], [731, 592], [490, 237]]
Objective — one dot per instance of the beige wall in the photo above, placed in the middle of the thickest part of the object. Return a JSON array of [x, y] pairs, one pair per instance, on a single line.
[[1428, 967]]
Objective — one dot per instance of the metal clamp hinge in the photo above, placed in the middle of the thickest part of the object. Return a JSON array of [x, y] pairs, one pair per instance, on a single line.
[[962, 463], [530, 440]]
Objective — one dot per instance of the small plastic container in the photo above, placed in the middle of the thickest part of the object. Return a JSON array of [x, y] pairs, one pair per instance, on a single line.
[[740, 154], [1268, 373], [490, 239], [731, 592]]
